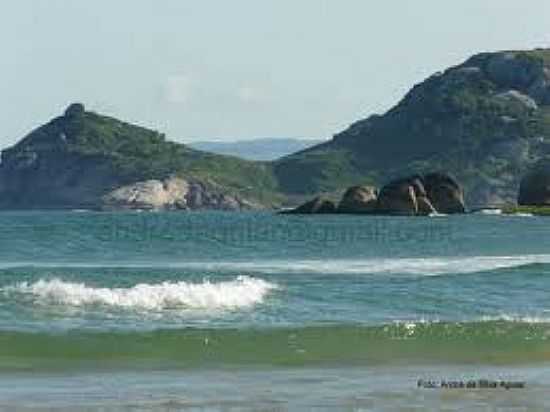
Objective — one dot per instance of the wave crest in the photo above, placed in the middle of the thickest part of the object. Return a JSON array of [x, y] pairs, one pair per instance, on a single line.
[[430, 266], [241, 292], [400, 265]]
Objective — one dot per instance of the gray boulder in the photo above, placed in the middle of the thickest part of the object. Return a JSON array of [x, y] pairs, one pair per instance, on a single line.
[[172, 193], [520, 100], [149, 194], [534, 189], [318, 205], [422, 195], [522, 72], [444, 192], [359, 199], [398, 198], [425, 207], [412, 196]]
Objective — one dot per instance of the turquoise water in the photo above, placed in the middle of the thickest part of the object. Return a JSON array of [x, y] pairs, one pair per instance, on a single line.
[[185, 295]]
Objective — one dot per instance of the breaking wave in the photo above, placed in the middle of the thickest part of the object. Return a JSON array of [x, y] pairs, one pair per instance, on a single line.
[[241, 292], [410, 266], [427, 266]]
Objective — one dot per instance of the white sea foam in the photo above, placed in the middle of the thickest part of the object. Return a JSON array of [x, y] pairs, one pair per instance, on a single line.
[[489, 212], [516, 318], [241, 292], [413, 266], [412, 324], [437, 214], [499, 212]]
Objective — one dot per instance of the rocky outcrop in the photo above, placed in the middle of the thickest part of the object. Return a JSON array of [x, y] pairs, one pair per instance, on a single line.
[[425, 207], [75, 110], [82, 160], [534, 189], [422, 195], [172, 193], [522, 71], [150, 194], [359, 199], [319, 206], [445, 193], [486, 121], [398, 198], [514, 97], [413, 196]]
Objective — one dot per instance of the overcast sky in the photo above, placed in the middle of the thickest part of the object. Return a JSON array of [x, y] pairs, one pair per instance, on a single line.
[[240, 69]]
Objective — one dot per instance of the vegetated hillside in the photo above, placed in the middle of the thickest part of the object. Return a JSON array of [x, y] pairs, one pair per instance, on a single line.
[[256, 149], [76, 158], [486, 121]]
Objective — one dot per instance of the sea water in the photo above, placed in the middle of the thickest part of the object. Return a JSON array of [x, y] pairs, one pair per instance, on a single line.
[[248, 311]]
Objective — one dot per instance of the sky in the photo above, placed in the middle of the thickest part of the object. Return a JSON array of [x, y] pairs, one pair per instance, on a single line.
[[240, 69]]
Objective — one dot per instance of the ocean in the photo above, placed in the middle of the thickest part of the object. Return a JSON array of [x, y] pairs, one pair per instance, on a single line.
[[257, 311]]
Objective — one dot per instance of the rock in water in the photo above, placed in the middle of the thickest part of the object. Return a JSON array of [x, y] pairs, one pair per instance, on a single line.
[[414, 196], [422, 195], [359, 199], [398, 198], [444, 192], [534, 189], [418, 185], [318, 205], [425, 207]]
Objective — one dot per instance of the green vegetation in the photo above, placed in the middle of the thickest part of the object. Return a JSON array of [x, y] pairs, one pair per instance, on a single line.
[[322, 171], [534, 210], [487, 121], [541, 55], [135, 153], [144, 154]]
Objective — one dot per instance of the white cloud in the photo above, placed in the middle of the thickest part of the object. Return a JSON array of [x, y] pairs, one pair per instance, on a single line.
[[178, 88], [249, 94]]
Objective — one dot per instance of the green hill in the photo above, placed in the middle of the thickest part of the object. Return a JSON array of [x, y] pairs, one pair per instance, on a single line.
[[486, 121], [76, 158]]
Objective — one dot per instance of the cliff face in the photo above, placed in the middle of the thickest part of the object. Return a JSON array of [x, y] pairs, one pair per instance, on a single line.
[[487, 121], [84, 160]]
